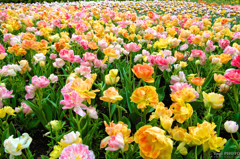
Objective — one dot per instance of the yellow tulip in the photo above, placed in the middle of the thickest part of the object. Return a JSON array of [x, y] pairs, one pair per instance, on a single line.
[[2, 113], [214, 99], [9, 110]]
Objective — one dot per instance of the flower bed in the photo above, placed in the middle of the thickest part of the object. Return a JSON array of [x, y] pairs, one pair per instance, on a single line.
[[119, 80]]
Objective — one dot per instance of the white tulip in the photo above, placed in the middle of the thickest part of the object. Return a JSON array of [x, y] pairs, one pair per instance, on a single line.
[[14, 146], [231, 126]]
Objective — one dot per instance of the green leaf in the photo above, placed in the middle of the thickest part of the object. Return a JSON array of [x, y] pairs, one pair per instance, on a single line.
[[126, 121], [54, 104], [33, 123], [226, 152], [176, 156], [39, 113], [161, 93], [5, 135], [236, 117], [12, 130], [218, 122], [48, 112], [119, 107], [131, 109], [105, 118], [113, 108], [197, 104]]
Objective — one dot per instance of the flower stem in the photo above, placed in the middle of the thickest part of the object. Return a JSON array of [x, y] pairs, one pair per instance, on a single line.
[[235, 141], [119, 113], [123, 155], [130, 61], [109, 109], [235, 93], [196, 152], [78, 122]]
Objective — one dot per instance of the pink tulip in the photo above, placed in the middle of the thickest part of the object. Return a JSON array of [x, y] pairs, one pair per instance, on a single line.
[[67, 89], [115, 142], [30, 91], [83, 70], [53, 79], [53, 56], [2, 50], [67, 55], [233, 75], [76, 38], [4, 93], [78, 59], [210, 47], [92, 113], [103, 44], [184, 47], [58, 63], [84, 44], [223, 43], [74, 101], [40, 82], [200, 54], [236, 35], [74, 150], [231, 51], [178, 78], [7, 37], [236, 61], [132, 47], [89, 57]]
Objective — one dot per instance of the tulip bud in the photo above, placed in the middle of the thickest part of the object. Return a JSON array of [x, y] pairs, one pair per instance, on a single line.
[[190, 59], [53, 79], [113, 72], [56, 125], [2, 84], [181, 149], [149, 46], [42, 63], [18, 109], [224, 88], [197, 62], [166, 122], [183, 64], [231, 126]]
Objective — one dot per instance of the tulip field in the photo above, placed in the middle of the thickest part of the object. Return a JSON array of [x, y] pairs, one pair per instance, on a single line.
[[119, 80]]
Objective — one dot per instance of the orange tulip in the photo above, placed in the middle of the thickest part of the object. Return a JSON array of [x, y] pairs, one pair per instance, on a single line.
[[178, 55], [30, 44], [153, 143], [111, 95], [219, 78], [144, 96], [144, 72], [92, 45], [198, 81]]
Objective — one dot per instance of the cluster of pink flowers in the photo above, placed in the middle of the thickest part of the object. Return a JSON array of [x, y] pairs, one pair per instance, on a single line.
[[90, 60], [10, 70], [161, 62]]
